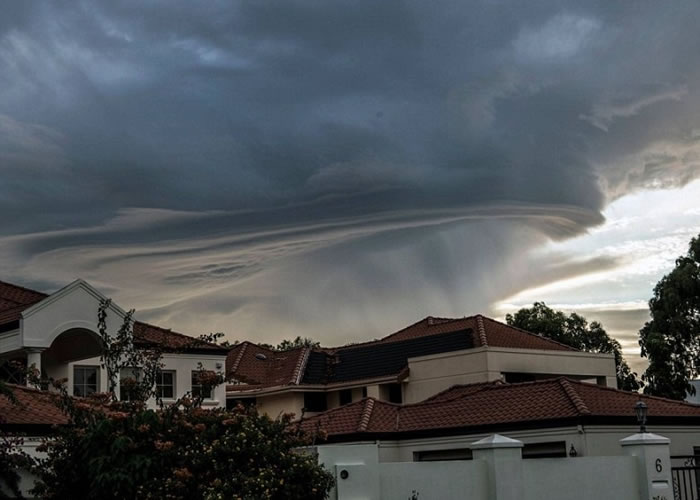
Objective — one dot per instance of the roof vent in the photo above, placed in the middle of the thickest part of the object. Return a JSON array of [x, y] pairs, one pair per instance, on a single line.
[[260, 356]]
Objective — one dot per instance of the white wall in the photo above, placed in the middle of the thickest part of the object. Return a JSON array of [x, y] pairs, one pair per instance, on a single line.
[[276, 404], [182, 363], [499, 473], [74, 306], [439, 480], [580, 478], [434, 373], [587, 440]]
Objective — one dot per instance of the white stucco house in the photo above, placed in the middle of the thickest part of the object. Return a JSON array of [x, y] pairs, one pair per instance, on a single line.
[[57, 334]]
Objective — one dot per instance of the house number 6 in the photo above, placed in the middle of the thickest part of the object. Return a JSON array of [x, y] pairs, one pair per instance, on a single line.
[[659, 468]]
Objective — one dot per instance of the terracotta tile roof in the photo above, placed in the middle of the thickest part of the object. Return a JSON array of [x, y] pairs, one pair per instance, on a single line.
[[480, 406], [487, 331], [33, 407], [259, 366], [12, 315], [378, 358], [17, 295], [15, 299], [145, 334]]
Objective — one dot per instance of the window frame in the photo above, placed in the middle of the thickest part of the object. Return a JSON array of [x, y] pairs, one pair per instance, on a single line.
[[137, 372], [195, 384], [85, 384], [160, 385]]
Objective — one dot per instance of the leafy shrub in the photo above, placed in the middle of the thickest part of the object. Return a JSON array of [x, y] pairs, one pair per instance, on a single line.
[[180, 452]]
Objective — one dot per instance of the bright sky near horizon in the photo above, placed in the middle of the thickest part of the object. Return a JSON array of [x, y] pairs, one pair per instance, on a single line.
[[642, 236], [339, 170]]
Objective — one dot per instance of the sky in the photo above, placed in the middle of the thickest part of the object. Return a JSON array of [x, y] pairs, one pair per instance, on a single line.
[[341, 169]]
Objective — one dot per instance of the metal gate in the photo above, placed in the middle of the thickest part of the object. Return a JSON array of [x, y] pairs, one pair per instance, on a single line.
[[685, 473]]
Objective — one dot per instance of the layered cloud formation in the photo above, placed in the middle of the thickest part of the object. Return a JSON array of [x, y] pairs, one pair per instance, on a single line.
[[338, 169]]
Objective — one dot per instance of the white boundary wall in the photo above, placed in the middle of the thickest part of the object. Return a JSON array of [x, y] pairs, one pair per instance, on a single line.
[[498, 472]]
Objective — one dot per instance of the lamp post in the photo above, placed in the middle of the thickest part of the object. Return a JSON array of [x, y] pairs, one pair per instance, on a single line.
[[641, 410]]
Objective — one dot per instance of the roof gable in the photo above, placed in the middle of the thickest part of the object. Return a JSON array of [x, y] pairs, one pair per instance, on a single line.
[[18, 302]]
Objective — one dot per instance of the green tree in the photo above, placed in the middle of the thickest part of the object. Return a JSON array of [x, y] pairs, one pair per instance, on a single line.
[[286, 344], [574, 330], [671, 340]]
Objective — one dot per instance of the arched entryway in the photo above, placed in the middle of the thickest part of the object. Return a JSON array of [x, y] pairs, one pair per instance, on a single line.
[[73, 346]]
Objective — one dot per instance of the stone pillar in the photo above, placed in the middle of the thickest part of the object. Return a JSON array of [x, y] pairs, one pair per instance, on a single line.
[[504, 458], [653, 462], [33, 360], [356, 470]]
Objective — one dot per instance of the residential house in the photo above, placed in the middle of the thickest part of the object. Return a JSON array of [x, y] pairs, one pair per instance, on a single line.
[[407, 366], [57, 334], [556, 417]]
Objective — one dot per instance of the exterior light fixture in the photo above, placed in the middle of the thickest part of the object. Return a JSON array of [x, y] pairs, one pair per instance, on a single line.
[[572, 451], [641, 410]]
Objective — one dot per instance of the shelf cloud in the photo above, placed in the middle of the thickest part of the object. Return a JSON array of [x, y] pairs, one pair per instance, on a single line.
[[334, 169]]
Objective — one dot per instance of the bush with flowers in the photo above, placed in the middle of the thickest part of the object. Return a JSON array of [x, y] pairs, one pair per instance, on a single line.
[[180, 452]]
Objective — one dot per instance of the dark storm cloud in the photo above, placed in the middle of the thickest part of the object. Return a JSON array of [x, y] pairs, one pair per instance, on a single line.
[[241, 152]]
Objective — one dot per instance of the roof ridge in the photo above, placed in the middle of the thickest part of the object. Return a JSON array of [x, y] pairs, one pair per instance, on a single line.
[[574, 397], [640, 395], [239, 357], [533, 334], [491, 386], [366, 415], [482, 331], [299, 367]]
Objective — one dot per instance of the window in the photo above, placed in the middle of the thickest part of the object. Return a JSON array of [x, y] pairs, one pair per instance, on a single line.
[[442, 455], [165, 384], [197, 389], [515, 378], [315, 401], [14, 371], [395, 394], [129, 380], [555, 449], [364, 392], [85, 380], [345, 396]]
